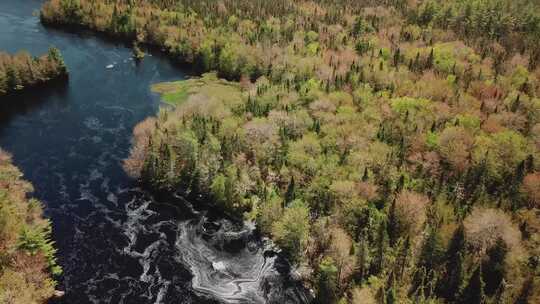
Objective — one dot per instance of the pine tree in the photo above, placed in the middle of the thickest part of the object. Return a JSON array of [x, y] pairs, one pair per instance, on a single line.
[[12, 78], [457, 279], [430, 258], [326, 282], [403, 255], [397, 57], [416, 65], [429, 61], [393, 224], [55, 55], [382, 244], [516, 104], [362, 258], [391, 297], [290, 194]]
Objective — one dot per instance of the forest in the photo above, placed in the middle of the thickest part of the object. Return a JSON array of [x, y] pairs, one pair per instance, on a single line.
[[390, 148], [22, 71], [27, 255]]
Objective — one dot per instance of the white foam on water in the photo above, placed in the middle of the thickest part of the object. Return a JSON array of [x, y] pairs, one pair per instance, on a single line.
[[219, 266], [231, 278]]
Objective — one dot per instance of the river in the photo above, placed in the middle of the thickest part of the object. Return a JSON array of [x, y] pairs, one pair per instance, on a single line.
[[115, 243]]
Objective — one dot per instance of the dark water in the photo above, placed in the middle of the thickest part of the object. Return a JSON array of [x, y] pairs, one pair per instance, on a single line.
[[116, 243]]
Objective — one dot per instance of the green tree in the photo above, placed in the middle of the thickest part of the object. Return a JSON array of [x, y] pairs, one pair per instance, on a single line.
[[361, 27], [327, 282], [393, 224], [228, 59], [290, 194], [291, 231], [391, 297], [12, 78], [431, 256], [363, 258], [55, 55], [71, 10], [402, 258], [501, 153], [381, 248]]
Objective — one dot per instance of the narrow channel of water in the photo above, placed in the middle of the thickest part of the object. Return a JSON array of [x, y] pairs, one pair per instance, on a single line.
[[116, 244]]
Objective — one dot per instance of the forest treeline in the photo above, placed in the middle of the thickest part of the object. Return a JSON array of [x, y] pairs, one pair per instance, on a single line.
[[22, 70], [27, 255], [391, 148]]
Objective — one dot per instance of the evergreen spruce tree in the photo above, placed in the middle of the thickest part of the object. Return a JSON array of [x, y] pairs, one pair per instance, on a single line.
[[326, 282], [382, 244], [365, 176], [393, 224], [416, 65], [397, 57], [429, 61], [402, 258], [290, 194], [391, 297], [430, 258], [362, 258]]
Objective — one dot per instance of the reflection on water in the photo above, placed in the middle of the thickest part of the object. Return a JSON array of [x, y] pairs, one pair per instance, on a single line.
[[116, 243]]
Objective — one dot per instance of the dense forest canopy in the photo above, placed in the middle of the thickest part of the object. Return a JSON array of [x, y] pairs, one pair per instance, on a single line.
[[390, 148], [21, 70], [26, 251]]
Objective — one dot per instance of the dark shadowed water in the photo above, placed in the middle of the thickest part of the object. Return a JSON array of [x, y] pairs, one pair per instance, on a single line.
[[116, 244]]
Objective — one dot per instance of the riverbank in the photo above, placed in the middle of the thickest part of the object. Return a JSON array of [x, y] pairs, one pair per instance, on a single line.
[[28, 266], [27, 259], [23, 72]]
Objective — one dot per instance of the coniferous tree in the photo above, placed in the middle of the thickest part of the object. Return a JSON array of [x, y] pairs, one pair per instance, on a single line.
[[391, 297], [402, 258], [397, 57], [382, 244], [393, 224], [290, 194], [326, 282], [429, 61], [362, 258], [429, 261], [416, 65]]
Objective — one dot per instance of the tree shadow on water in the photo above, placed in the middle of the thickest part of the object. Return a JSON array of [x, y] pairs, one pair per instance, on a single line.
[[31, 99]]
